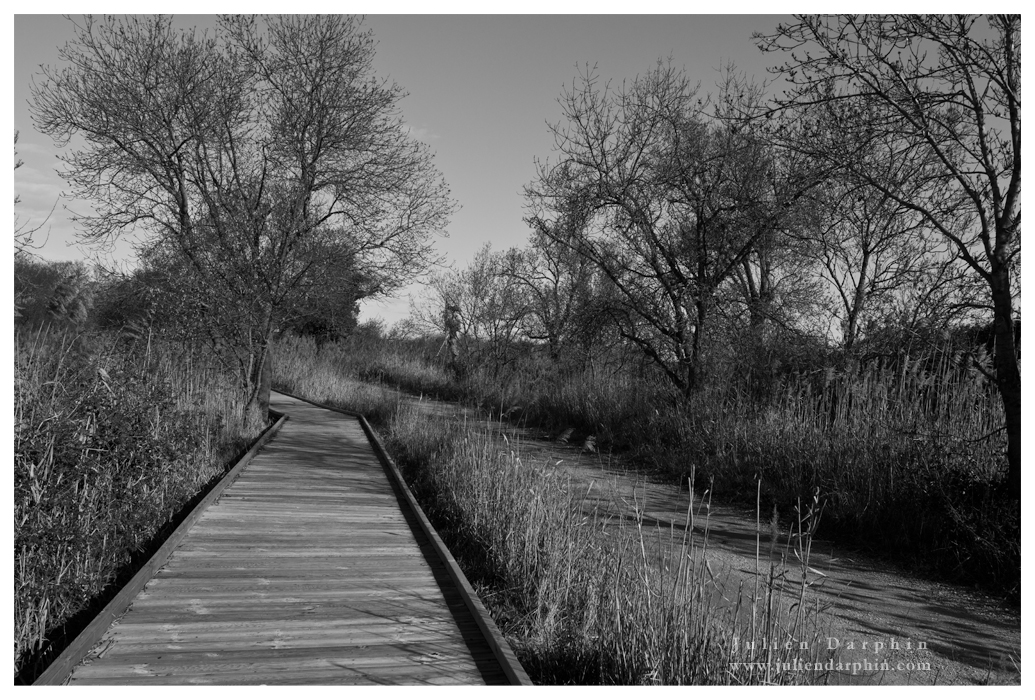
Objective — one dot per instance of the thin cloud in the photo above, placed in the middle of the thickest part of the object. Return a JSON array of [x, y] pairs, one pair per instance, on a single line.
[[32, 190], [420, 133], [25, 147]]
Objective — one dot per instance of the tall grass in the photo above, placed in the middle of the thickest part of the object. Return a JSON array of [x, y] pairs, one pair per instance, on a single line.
[[587, 600], [908, 459], [583, 599], [110, 442], [909, 464], [302, 368]]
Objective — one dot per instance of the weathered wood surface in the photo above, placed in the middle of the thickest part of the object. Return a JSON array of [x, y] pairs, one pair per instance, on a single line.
[[307, 570]]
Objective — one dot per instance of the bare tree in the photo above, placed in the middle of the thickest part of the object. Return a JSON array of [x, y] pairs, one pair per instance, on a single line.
[[665, 201], [934, 103], [563, 307], [480, 308], [267, 157], [870, 249]]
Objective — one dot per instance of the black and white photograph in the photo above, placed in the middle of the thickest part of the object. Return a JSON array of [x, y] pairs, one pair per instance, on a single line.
[[553, 346]]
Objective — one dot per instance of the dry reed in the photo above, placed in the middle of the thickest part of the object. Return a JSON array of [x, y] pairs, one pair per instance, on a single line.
[[110, 442]]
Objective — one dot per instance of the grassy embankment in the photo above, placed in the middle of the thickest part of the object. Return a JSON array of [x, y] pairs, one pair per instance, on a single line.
[[111, 442], [582, 600]]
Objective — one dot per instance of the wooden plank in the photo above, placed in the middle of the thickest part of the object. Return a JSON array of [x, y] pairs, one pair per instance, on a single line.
[[198, 609], [63, 665], [142, 652], [421, 668], [327, 632], [332, 674], [386, 664]]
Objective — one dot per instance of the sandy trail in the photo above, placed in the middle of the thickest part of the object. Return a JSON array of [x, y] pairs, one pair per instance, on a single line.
[[908, 629]]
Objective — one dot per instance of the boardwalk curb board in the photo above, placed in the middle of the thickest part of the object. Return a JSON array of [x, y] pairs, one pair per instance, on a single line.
[[502, 650], [61, 668]]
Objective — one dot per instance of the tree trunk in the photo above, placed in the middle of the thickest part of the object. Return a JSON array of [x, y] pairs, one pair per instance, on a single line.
[[1008, 376], [266, 382], [696, 369], [858, 302], [685, 373], [261, 381]]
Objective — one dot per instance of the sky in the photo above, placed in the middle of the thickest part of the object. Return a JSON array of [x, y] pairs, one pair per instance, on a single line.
[[481, 92]]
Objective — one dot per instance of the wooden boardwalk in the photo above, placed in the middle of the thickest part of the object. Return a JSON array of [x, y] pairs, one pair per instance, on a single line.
[[310, 569]]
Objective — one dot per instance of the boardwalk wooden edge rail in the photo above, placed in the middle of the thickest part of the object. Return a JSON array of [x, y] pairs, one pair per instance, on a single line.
[[497, 642], [61, 668]]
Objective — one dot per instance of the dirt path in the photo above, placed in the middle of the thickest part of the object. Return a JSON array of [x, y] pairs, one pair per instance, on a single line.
[[889, 626], [869, 610]]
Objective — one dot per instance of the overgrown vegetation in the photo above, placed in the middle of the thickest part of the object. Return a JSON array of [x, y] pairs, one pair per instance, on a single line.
[[589, 601], [116, 431], [583, 600], [304, 369], [909, 458]]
